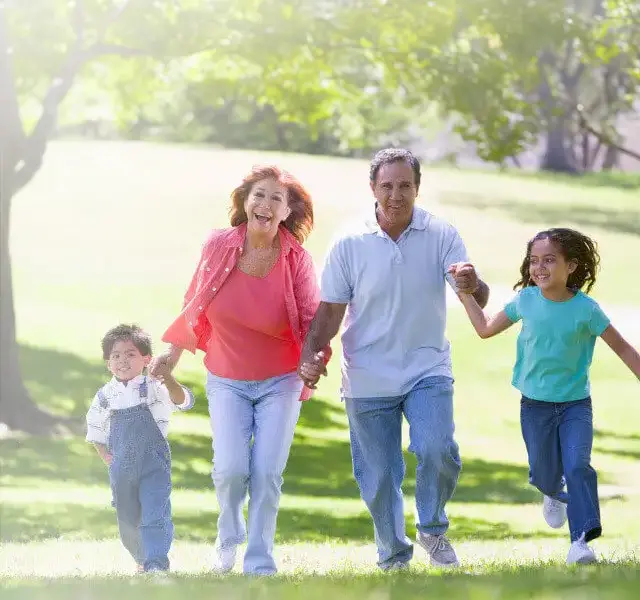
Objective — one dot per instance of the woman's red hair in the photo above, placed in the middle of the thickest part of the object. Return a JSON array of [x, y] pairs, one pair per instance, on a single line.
[[299, 222]]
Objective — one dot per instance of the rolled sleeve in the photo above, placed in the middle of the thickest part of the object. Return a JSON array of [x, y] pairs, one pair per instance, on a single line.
[[162, 393], [189, 399], [454, 252]]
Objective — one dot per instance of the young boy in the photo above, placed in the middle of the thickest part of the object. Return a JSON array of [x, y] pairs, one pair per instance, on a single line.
[[127, 423]]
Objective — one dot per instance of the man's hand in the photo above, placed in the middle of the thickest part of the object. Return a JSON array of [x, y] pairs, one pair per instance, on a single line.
[[311, 369], [465, 276]]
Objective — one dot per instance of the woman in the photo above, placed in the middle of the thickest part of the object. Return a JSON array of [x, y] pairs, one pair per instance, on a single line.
[[248, 307]]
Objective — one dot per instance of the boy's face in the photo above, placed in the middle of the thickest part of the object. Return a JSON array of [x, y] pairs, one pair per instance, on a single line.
[[125, 361]]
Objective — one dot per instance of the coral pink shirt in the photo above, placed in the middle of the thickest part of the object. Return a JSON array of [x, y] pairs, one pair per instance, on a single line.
[[251, 338], [192, 329]]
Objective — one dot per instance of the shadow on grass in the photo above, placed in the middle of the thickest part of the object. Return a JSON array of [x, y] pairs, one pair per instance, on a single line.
[[320, 469], [317, 467], [542, 212], [39, 521], [622, 445], [59, 381]]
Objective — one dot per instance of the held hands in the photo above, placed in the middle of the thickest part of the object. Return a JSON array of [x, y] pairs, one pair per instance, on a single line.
[[311, 368], [162, 372], [161, 366], [465, 276]]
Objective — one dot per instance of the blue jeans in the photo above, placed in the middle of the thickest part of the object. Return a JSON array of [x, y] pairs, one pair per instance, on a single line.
[[379, 468], [140, 476], [559, 437], [267, 413]]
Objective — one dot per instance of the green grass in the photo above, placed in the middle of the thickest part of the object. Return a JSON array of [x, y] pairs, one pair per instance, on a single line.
[[110, 232]]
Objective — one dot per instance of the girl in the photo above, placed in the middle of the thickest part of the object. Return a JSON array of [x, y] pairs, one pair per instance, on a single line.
[[560, 324]]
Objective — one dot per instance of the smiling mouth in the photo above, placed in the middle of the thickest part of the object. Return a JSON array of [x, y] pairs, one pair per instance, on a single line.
[[262, 218]]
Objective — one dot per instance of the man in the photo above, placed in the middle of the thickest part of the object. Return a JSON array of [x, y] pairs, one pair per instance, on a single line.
[[389, 276]]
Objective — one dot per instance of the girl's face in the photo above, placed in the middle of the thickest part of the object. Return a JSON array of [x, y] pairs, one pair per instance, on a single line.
[[548, 268]]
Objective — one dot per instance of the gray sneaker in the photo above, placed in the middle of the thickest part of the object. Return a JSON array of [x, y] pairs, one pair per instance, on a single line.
[[399, 565], [439, 549]]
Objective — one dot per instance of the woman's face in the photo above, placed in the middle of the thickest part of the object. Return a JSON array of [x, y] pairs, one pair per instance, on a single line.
[[266, 206]]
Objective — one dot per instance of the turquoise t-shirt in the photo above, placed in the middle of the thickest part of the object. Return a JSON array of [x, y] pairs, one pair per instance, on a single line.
[[555, 345]]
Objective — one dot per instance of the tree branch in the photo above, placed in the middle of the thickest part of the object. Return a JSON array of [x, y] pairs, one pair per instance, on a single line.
[[113, 17], [32, 155], [79, 22], [606, 139]]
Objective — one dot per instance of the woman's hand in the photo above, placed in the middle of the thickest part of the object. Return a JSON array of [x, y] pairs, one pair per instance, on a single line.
[[311, 369]]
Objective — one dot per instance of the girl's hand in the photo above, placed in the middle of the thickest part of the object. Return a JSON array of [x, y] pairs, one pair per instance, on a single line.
[[465, 276]]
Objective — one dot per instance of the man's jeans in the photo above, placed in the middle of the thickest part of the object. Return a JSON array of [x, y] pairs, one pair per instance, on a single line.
[[559, 437], [379, 468], [265, 412]]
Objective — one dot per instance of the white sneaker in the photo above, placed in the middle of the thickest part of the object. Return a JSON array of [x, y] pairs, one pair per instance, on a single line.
[[580, 553], [225, 558], [554, 511]]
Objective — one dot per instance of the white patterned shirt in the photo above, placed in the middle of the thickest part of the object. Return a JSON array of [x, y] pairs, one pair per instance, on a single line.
[[115, 395]]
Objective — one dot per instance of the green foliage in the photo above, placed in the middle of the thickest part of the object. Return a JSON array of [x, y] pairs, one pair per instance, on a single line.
[[342, 75]]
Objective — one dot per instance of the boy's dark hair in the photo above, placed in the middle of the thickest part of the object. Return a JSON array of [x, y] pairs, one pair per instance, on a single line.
[[573, 245], [138, 336], [393, 155]]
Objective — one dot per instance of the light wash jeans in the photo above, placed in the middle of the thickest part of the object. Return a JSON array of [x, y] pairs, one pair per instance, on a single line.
[[379, 468], [241, 411]]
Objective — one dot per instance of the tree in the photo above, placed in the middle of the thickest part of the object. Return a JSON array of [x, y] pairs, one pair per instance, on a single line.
[[517, 72], [288, 48], [45, 47]]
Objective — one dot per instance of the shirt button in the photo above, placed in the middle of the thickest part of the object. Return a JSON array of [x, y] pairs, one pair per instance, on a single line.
[[214, 289], [190, 323], [208, 268], [199, 307], [226, 270]]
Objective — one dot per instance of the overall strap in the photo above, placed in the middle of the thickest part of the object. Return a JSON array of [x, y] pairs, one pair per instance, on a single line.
[[102, 399]]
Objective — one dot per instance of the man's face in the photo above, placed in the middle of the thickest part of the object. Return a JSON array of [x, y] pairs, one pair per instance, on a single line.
[[395, 190]]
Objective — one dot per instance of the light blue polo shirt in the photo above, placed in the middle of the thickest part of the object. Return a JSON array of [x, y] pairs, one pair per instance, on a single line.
[[393, 333], [555, 345]]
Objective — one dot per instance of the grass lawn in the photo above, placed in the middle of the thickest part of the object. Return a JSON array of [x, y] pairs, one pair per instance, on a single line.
[[110, 232]]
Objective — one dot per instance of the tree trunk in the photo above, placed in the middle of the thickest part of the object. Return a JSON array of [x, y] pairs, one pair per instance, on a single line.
[[17, 409], [610, 158], [557, 156]]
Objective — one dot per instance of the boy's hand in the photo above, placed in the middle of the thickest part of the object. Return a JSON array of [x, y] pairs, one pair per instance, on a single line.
[[103, 453], [162, 372]]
